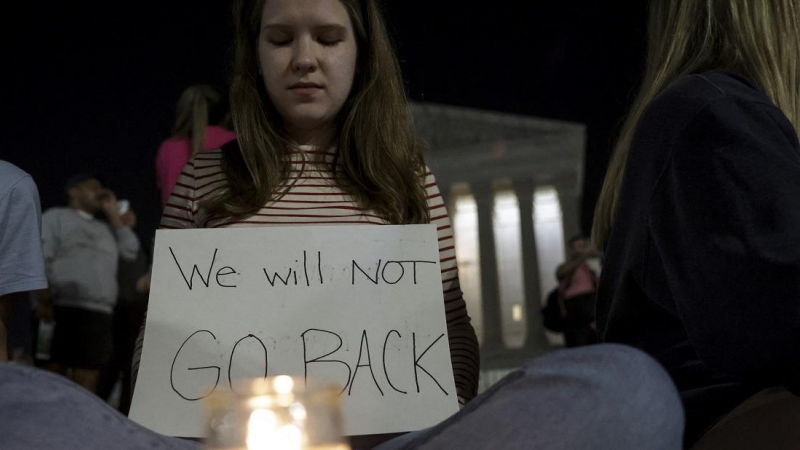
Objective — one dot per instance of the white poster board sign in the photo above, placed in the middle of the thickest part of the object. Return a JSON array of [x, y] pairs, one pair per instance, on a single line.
[[360, 306]]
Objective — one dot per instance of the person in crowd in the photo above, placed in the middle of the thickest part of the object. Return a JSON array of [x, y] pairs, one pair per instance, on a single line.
[[21, 263], [38, 409], [319, 109], [700, 220], [552, 316], [133, 277], [200, 119], [81, 257], [317, 117], [577, 286]]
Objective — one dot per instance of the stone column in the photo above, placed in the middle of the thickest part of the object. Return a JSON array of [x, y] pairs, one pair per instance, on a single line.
[[535, 340], [490, 292], [569, 199]]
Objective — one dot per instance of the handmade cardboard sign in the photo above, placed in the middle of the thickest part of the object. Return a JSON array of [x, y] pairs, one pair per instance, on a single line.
[[360, 306]]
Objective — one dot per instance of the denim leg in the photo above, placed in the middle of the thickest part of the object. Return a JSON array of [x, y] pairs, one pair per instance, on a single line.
[[596, 397], [599, 397], [41, 410]]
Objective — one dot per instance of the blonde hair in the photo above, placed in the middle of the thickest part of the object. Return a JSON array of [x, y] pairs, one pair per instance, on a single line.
[[759, 39], [378, 162], [197, 107]]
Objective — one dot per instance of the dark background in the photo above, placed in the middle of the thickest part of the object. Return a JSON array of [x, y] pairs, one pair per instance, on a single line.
[[93, 86]]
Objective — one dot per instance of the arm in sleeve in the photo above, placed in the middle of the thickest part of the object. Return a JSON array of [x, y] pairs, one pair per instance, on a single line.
[[181, 208], [21, 257], [725, 222], [464, 350], [50, 243], [127, 243]]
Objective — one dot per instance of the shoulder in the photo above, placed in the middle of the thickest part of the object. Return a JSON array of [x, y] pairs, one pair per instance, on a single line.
[[201, 176], [738, 144], [728, 84], [745, 107], [712, 109], [429, 184], [173, 152], [426, 175], [174, 143], [218, 136], [58, 211], [738, 116], [12, 178], [702, 87], [714, 92], [10, 172], [55, 212], [210, 161]]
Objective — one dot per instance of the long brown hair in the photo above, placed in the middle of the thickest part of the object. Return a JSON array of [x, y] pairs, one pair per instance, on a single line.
[[759, 39], [198, 106], [379, 162]]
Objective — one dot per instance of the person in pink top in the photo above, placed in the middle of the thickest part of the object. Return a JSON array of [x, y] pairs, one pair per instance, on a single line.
[[199, 120], [577, 287]]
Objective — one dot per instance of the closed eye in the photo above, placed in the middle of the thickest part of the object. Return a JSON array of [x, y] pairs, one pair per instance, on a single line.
[[279, 42], [278, 36], [329, 42]]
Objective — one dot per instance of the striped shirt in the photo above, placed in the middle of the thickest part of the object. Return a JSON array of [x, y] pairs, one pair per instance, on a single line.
[[314, 198]]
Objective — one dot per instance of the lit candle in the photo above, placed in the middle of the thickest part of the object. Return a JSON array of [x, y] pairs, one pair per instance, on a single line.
[[277, 414]]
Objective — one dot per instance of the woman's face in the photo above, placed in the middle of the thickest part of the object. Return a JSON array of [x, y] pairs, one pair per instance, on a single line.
[[307, 59]]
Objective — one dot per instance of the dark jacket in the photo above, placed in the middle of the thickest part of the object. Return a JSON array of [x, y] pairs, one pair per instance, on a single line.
[[702, 266]]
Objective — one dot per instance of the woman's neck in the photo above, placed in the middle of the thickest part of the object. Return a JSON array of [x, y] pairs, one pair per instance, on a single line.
[[318, 137]]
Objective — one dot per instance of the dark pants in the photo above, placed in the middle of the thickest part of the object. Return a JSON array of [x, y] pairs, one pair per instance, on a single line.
[[81, 338], [127, 320], [579, 328]]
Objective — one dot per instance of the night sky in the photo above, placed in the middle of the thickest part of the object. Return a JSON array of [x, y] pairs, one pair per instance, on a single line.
[[93, 87]]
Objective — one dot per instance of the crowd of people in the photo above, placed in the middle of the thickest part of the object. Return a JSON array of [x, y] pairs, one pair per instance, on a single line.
[[85, 322], [688, 338]]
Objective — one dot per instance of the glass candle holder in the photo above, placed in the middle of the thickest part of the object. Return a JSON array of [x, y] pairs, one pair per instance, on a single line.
[[277, 413]]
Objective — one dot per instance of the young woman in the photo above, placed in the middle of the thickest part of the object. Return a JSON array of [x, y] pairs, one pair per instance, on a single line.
[[700, 216], [325, 137], [199, 120]]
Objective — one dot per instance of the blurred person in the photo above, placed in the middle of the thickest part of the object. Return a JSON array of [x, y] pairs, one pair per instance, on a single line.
[[38, 409], [81, 256], [577, 287], [21, 262], [200, 119], [700, 218], [552, 314], [134, 284]]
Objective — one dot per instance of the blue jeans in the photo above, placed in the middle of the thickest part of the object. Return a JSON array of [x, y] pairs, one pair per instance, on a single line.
[[599, 397], [41, 410], [595, 397]]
